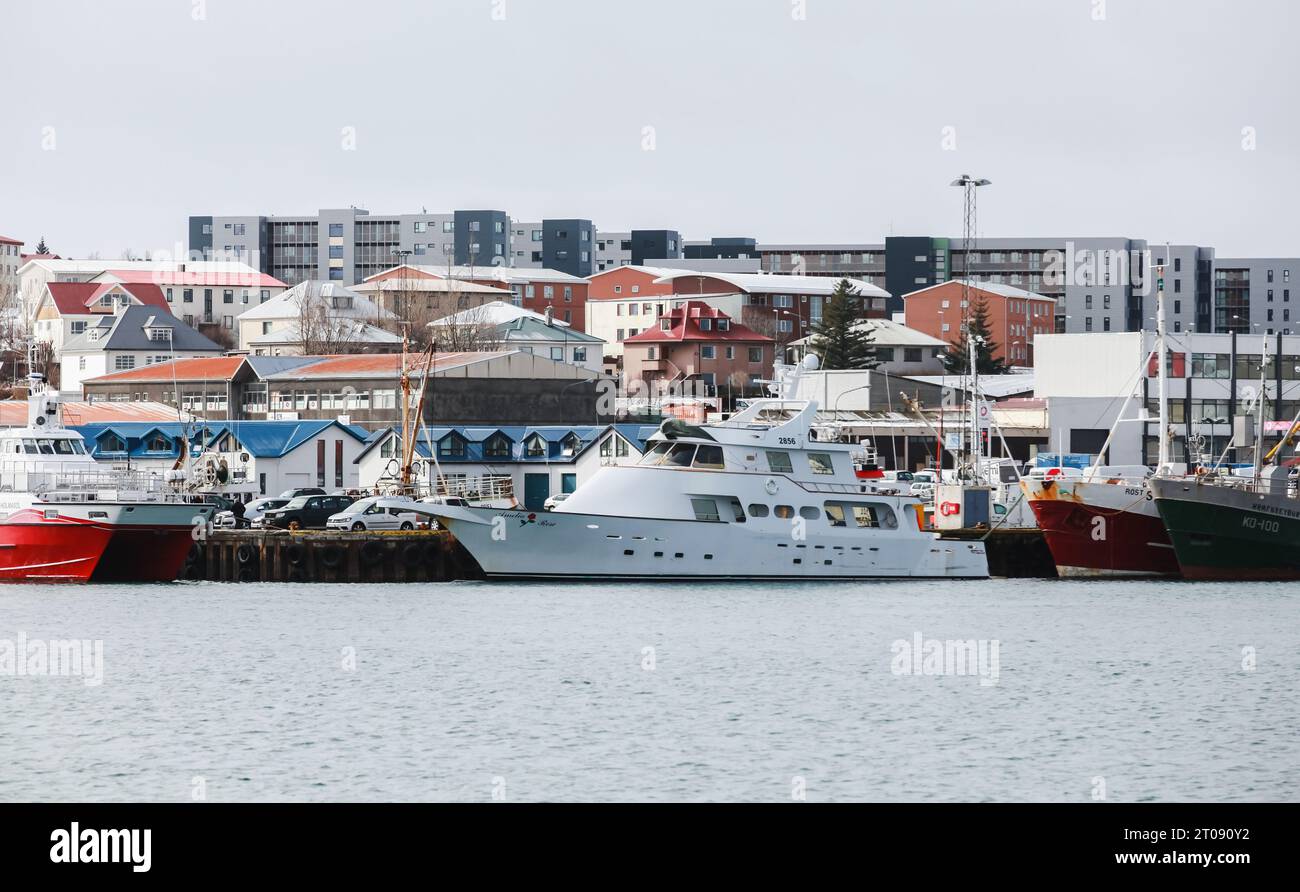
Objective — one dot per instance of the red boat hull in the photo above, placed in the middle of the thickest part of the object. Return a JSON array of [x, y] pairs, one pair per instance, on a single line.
[[144, 554], [33, 549], [1135, 544]]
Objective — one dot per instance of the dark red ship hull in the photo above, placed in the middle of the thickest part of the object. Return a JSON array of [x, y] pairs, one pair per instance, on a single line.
[[144, 554], [1088, 539]]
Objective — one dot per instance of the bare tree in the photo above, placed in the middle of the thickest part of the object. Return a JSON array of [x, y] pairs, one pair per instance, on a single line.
[[472, 331], [322, 331]]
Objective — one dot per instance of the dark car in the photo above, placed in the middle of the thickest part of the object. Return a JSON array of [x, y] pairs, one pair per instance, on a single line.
[[302, 491], [306, 512]]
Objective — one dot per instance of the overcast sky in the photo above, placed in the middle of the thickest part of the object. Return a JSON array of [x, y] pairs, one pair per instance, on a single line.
[[822, 120]]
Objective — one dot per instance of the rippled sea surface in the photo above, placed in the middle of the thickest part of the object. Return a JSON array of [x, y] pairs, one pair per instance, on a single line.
[[466, 691]]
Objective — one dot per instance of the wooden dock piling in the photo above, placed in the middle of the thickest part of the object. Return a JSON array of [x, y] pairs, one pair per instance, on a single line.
[[334, 557]]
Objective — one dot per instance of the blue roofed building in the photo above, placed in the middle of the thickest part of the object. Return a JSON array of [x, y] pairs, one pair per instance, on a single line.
[[251, 457], [535, 463]]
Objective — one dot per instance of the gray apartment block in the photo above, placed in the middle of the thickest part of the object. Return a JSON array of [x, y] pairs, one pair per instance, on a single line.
[[613, 249], [348, 244], [1256, 295]]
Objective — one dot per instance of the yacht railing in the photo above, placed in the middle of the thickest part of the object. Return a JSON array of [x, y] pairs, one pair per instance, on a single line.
[[484, 488], [88, 485]]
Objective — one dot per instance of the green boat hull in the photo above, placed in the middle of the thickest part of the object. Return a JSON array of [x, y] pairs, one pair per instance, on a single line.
[[1223, 533]]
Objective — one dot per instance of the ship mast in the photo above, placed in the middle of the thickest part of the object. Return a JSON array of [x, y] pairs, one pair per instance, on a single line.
[[1162, 456]]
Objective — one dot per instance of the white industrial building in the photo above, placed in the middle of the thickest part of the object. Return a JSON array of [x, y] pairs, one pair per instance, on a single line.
[[1212, 378]]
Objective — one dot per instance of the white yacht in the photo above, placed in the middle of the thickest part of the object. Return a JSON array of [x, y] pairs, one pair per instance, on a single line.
[[758, 496]]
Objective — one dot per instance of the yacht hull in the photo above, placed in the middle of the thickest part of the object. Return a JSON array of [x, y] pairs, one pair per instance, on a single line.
[[549, 545]]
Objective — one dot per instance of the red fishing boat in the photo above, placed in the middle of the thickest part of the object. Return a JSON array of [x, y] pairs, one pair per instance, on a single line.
[[64, 517]]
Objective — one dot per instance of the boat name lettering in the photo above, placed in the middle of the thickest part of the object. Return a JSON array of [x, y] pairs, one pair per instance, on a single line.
[[788, 441]]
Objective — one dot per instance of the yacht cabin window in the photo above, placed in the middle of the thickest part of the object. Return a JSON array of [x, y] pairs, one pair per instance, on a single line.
[[785, 512], [705, 509], [655, 454], [820, 463], [758, 510], [779, 463], [709, 457], [680, 456]]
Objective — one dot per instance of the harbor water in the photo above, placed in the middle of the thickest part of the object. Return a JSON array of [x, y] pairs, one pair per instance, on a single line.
[[1072, 691]]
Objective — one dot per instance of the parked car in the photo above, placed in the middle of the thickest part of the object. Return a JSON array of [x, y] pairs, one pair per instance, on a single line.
[[305, 513], [302, 491], [549, 504], [252, 511], [370, 514]]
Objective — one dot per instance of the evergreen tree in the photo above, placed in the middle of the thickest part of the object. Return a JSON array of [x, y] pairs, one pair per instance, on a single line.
[[40, 247], [837, 340], [957, 359]]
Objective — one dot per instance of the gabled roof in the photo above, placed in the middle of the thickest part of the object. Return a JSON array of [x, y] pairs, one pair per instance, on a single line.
[[289, 304], [5, 240], [342, 331], [13, 413], [506, 275], [767, 283], [997, 288], [493, 312], [476, 439], [887, 333], [260, 439], [215, 368], [655, 272], [526, 330], [684, 325], [70, 298], [128, 329], [375, 365], [238, 277], [77, 298]]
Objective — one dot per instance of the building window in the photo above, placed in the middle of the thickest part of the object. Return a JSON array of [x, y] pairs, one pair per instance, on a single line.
[[451, 446], [123, 362], [497, 446], [707, 351]]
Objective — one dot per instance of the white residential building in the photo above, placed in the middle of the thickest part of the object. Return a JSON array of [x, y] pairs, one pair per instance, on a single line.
[[132, 337], [203, 290], [275, 327], [11, 253]]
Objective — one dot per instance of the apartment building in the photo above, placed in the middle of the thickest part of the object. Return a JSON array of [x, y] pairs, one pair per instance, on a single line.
[[1015, 316], [132, 336], [567, 245], [347, 245], [1253, 295], [781, 306], [11, 254], [729, 248], [695, 341], [67, 309], [843, 261], [207, 282]]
